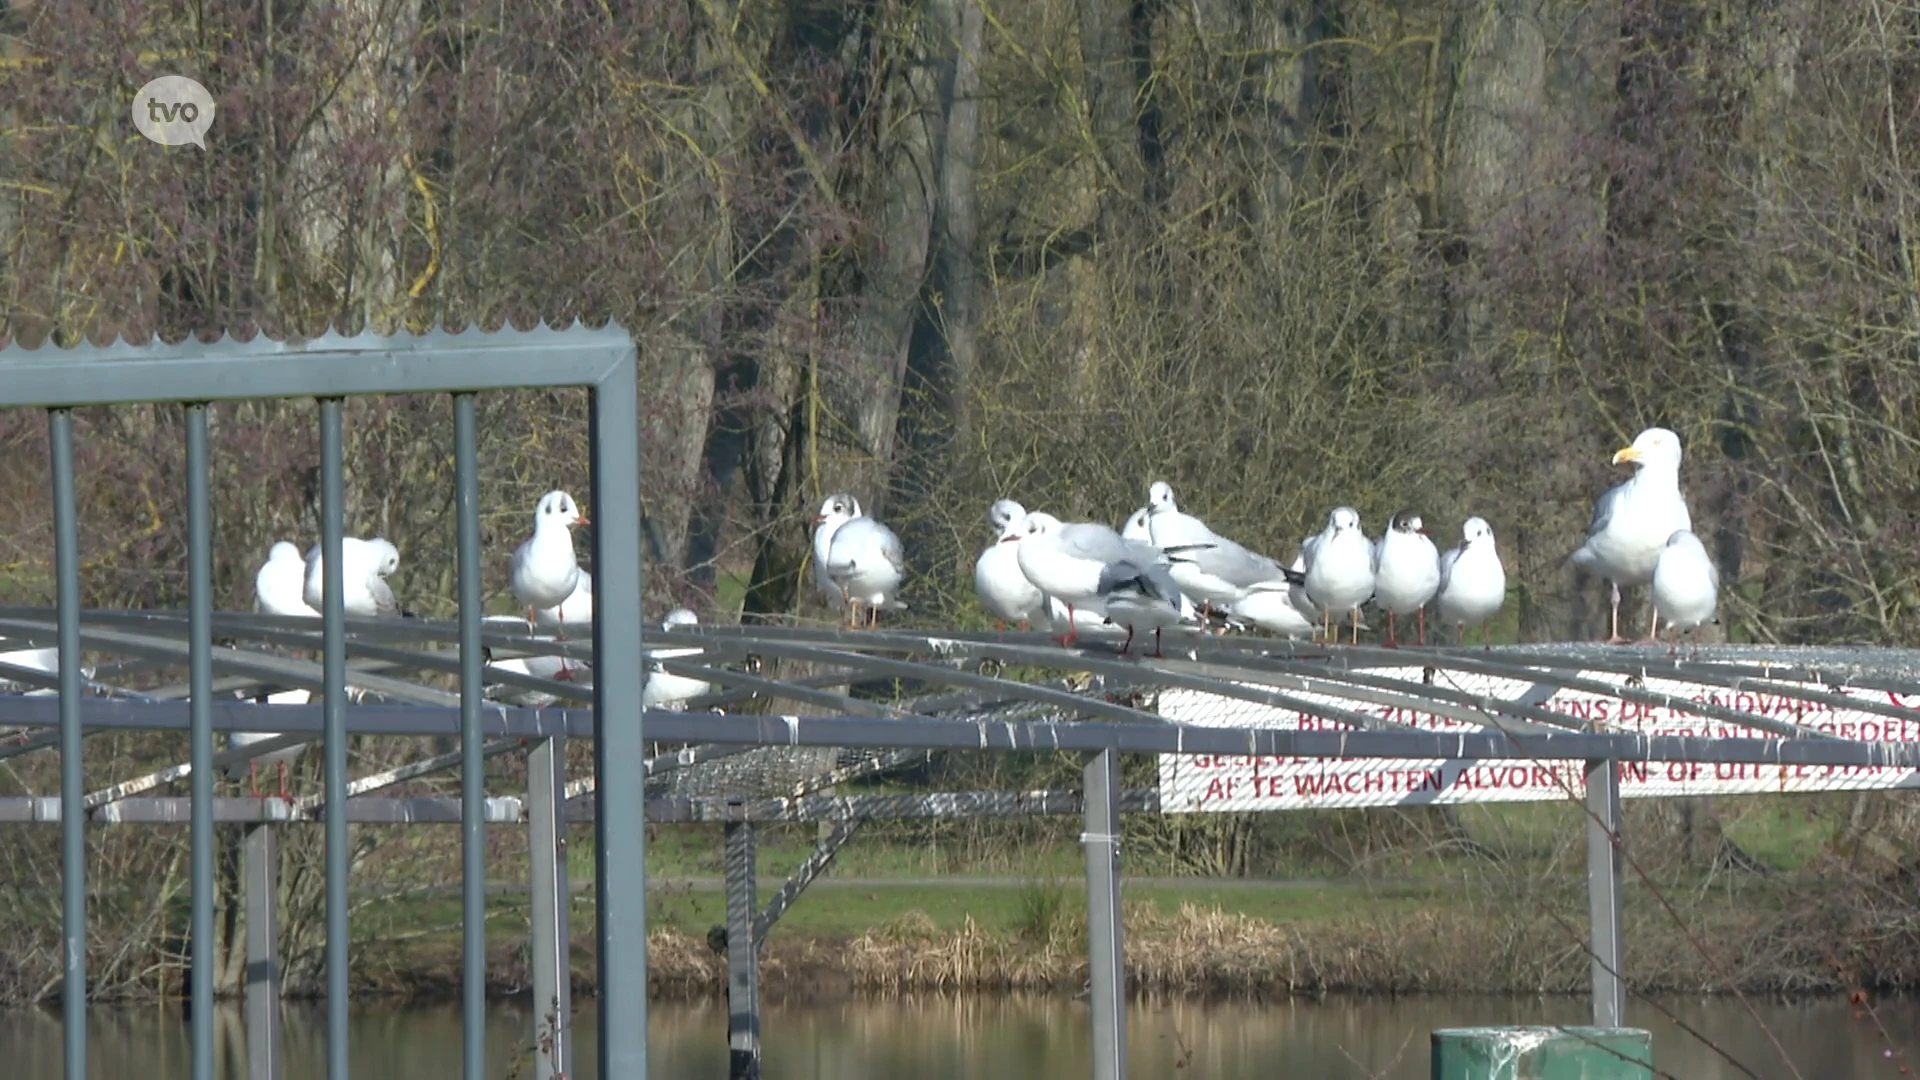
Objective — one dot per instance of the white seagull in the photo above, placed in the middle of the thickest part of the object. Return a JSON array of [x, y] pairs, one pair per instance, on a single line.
[[545, 569], [1263, 607], [1633, 519], [1339, 569], [279, 760], [663, 688], [1271, 608], [45, 660], [1406, 572], [997, 580], [279, 588], [577, 609], [1209, 568], [835, 512], [537, 665], [1473, 584], [1087, 565], [1297, 577], [1139, 530], [364, 566], [1686, 586], [858, 557]]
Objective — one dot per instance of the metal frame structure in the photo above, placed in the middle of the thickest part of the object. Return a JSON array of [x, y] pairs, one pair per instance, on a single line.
[[904, 693], [329, 369]]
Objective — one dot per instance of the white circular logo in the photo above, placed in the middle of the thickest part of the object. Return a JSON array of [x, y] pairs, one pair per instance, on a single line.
[[173, 110]]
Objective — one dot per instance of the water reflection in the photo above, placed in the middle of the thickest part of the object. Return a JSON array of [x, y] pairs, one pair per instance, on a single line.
[[985, 1038]]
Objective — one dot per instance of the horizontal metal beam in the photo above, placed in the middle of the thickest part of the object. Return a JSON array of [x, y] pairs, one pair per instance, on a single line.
[[993, 734], [145, 810], [332, 365], [934, 804], [441, 810]]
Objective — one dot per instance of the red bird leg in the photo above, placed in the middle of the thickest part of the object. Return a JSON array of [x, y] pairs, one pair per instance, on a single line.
[[999, 626], [1129, 644], [1486, 635], [1393, 641], [1073, 630], [283, 782], [1423, 624], [1025, 626], [253, 778], [1156, 644]]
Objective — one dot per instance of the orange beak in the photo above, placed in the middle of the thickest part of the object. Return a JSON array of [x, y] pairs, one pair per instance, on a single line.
[[582, 520], [819, 519], [1010, 538]]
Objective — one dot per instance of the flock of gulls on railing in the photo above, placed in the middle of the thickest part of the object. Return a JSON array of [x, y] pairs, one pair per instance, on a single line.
[[1165, 569]]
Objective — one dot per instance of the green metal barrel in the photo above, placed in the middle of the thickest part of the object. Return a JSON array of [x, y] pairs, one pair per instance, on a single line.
[[1542, 1053]]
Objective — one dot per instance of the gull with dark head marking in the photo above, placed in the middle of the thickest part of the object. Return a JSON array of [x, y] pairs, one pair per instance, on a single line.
[[545, 569], [1633, 520], [1406, 572], [997, 580], [1339, 569], [1473, 584], [1210, 569], [1137, 530], [860, 559], [1686, 586], [1086, 565]]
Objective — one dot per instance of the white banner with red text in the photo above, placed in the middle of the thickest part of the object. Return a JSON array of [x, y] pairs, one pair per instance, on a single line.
[[1200, 784]]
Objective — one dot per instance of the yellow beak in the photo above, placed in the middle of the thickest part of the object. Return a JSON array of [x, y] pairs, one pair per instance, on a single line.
[[1629, 454]]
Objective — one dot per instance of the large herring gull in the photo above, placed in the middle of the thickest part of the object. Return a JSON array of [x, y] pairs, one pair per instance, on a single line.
[[1633, 520]]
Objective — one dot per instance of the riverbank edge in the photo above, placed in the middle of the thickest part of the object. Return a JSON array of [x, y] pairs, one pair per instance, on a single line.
[[1201, 952]]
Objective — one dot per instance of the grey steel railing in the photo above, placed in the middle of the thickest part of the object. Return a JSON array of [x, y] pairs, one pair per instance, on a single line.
[[331, 368]]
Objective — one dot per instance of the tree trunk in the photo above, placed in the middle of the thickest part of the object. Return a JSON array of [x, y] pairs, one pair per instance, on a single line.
[[893, 265], [348, 171]]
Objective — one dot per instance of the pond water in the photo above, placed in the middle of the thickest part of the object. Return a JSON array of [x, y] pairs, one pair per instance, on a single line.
[[1001, 1038]]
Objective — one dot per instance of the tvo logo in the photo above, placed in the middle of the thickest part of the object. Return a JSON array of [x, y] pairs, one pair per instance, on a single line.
[[173, 110]]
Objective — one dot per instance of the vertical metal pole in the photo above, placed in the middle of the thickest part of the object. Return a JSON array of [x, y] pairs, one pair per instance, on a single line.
[[1107, 999], [473, 869], [73, 821], [1603, 893], [263, 953], [619, 746], [334, 731], [552, 972], [200, 749], [743, 956]]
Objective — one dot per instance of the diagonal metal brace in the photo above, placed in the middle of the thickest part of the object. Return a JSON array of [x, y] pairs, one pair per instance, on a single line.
[[816, 864]]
